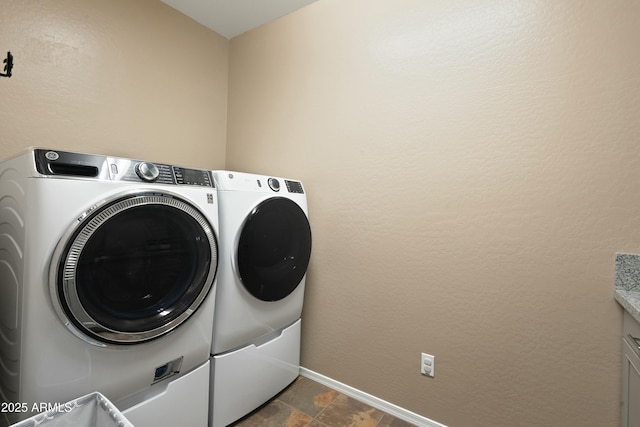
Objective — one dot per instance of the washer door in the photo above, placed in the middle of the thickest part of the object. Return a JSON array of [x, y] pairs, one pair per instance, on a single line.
[[134, 269], [274, 248]]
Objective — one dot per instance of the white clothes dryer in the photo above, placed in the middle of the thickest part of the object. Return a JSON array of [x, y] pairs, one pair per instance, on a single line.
[[265, 247], [107, 279]]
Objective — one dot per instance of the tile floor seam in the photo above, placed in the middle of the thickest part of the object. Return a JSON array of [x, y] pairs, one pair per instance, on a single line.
[[326, 407], [294, 408], [379, 421], [315, 421]]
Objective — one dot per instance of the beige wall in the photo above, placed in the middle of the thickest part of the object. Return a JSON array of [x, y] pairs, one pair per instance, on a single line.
[[471, 170], [129, 78], [472, 167]]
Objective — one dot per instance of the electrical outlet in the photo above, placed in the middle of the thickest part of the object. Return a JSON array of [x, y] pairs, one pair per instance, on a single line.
[[428, 364]]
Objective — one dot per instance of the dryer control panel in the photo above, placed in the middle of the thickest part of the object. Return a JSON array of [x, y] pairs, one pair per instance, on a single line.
[[90, 166], [294, 186]]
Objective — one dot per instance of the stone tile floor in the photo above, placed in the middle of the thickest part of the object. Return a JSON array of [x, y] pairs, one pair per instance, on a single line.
[[306, 403]]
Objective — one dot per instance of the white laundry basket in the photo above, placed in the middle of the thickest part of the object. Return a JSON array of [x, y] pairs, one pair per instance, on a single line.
[[92, 410]]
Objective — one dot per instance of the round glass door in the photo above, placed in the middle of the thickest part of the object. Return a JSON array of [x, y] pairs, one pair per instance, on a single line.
[[136, 268], [274, 249]]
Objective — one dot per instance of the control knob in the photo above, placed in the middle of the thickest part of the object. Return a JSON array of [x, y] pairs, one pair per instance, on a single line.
[[274, 184], [147, 171]]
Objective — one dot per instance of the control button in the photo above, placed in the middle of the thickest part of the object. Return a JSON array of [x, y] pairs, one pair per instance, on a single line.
[[147, 171], [274, 184]]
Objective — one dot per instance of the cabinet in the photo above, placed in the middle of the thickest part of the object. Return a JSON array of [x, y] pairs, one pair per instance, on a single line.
[[630, 372]]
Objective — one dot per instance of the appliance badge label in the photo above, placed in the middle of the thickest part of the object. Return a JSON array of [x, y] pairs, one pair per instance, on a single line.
[[52, 155], [37, 407]]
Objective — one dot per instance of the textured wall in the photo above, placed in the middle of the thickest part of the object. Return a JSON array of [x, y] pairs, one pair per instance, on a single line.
[[129, 78], [472, 168]]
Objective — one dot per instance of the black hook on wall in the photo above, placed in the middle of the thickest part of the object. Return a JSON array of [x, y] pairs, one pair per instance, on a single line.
[[8, 65]]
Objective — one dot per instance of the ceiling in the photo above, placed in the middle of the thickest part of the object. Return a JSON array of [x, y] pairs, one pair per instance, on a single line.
[[230, 18]]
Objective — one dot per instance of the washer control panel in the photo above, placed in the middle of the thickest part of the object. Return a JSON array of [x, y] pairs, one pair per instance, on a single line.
[[89, 166], [193, 176]]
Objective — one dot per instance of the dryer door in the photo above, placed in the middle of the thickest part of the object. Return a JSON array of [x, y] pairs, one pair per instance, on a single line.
[[134, 269], [274, 249]]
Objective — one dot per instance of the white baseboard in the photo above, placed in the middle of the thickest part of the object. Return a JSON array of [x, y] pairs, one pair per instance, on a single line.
[[373, 401]]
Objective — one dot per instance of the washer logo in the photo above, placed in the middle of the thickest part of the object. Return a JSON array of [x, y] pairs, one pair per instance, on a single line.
[[52, 155]]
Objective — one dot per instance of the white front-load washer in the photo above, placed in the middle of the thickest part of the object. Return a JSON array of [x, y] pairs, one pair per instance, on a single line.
[[107, 283], [265, 247]]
